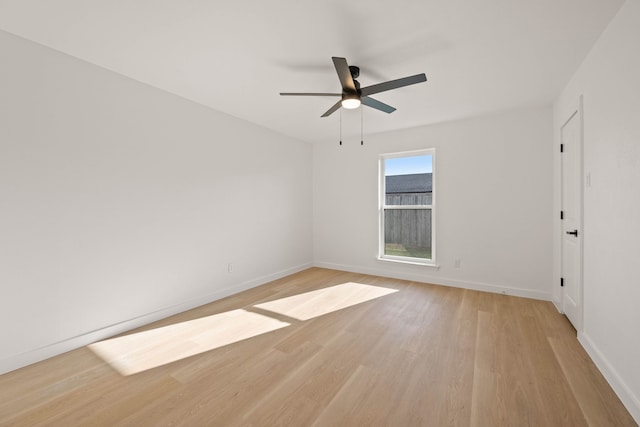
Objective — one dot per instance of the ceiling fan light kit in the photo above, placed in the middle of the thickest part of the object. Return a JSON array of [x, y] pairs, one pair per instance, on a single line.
[[350, 101], [352, 95]]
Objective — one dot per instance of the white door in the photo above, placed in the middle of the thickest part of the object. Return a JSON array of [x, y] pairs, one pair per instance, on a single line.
[[571, 138]]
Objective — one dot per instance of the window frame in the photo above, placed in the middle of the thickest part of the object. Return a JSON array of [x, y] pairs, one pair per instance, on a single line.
[[382, 207]]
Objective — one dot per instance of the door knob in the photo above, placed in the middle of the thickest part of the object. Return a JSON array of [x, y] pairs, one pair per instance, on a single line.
[[573, 233]]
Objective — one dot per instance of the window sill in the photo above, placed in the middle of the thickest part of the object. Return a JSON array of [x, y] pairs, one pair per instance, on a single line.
[[411, 261]]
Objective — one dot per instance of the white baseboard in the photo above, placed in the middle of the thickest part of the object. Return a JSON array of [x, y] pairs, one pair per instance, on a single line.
[[436, 280], [626, 395], [27, 358]]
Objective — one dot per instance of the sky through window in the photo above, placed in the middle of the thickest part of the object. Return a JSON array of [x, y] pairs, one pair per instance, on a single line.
[[408, 165]]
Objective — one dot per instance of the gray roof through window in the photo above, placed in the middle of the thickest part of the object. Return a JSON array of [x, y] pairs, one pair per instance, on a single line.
[[412, 183]]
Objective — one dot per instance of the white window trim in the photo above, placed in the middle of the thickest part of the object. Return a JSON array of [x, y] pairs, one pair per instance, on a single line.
[[381, 208]]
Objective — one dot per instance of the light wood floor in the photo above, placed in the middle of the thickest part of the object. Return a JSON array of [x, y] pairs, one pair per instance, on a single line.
[[422, 356]]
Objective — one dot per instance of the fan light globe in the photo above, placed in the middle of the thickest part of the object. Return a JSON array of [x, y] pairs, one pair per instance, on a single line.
[[350, 103]]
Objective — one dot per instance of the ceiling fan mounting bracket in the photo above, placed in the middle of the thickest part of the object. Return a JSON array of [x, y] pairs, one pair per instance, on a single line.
[[355, 71]]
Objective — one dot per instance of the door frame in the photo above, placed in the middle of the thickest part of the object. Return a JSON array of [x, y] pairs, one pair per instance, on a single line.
[[578, 113]]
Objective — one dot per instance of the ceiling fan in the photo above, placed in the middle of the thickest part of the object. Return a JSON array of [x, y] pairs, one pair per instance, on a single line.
[[353, 95]]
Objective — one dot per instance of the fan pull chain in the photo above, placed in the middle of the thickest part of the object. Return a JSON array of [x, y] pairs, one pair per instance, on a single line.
[[340, 126], [361, 125]]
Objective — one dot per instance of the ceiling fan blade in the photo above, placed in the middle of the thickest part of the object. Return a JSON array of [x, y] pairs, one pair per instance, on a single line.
[[374, 103], [308, 94], [393, 84], [344, 74], [333, 109]]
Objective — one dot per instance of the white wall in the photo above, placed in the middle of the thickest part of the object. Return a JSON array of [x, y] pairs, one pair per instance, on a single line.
[[119, 201], [609, 82], [494, 202]]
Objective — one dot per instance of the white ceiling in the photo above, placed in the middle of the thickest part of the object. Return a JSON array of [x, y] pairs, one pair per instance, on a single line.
[[480, 56]]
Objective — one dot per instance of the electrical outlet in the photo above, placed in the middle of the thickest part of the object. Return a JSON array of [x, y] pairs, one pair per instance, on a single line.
[[456, 263]]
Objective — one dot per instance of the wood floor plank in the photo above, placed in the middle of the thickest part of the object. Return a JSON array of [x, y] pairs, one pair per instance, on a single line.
[[551, 388], [597, 400], [422, 355]]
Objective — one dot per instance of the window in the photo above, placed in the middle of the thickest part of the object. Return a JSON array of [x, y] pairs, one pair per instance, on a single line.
[[407, 207]]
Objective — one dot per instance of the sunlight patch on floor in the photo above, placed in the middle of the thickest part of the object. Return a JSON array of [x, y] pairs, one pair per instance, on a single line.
[[322, 301], [140, 351]]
